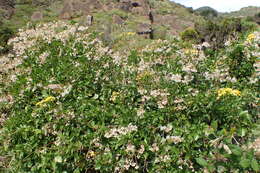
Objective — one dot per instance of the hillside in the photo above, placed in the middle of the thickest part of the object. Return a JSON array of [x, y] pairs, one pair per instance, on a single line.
[[243, 12], [207, 12], [149, 18]]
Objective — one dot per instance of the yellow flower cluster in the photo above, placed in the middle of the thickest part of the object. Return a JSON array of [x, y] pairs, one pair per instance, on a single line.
[[191, 51], [143, 75], [228, 91], [114, 96], [250, 37], [46, 100], [127, 34], [91, 154], [130, 33]]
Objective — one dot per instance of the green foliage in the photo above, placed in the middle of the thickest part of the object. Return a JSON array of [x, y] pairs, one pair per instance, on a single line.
[[207, 12], [219, 31], [190, 34], [160, 32], [152, 110], [248, 25], [5, 35], [240, 65]]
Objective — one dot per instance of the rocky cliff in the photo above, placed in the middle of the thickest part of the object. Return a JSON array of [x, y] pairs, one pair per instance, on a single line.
[[140, 16]]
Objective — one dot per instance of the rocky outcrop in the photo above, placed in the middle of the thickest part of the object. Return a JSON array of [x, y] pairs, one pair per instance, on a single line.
[[140, 7], [145, 17], [145, 29], [74, 7]]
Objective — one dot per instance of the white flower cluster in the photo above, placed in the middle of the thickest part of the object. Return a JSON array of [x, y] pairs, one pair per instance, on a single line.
[[166, 129], [118, 132], [27, 38], [125, 165], [174, 77], [162, 97], [163, 158], [221, 75], [174, 139], [256, 147]]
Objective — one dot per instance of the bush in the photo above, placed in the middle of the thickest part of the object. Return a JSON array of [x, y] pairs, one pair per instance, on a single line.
[[159, 32], [190, 34], [240, 65], [5, 35], [207, 12], [219, 31], [76, 106]]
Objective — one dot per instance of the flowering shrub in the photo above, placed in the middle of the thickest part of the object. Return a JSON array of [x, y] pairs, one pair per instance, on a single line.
[[153, 110], [228, 91]]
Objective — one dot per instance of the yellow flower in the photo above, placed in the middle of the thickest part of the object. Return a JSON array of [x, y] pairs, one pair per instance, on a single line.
[[91, 154], [191, 51], [130, 33], [46, 100], [228, 91], [114, 96], [251, 37], [143, 75]]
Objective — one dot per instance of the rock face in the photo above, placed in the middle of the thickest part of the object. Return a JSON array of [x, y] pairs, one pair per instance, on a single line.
[[140, 7], [145, 17], [74, 7]]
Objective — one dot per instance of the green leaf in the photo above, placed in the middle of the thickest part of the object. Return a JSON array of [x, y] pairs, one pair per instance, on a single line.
[[214, 125], [254, 165], [236, 150], [245, 163], [202, 161]]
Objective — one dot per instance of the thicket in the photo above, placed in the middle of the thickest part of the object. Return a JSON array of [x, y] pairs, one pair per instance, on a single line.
[[217, 32], [165, 108], [207, 13], [5, 34]]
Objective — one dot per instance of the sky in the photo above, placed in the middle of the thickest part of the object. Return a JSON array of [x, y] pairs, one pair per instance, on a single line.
[[220, 5]]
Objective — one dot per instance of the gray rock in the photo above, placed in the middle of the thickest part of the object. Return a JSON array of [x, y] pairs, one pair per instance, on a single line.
[[118, 20], [37, 16]]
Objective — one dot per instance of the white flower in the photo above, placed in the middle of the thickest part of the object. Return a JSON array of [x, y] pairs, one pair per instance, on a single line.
[[175, 77], [174, 139], [82, 28], [118, 132], [140, 112], [154, 148], [58, 159], [167, 128], [141, 150], [66, 91], [130, 148], [206, 44]]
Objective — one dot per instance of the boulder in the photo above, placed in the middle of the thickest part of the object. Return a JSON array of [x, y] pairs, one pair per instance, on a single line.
[[74, 7], [125, 5], [37, 16], [145, 30], [66, 12], [117, 20]]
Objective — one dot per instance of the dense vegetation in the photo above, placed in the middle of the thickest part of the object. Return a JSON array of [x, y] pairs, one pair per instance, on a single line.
[[207, 12], [218, 31], [69, 104]]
